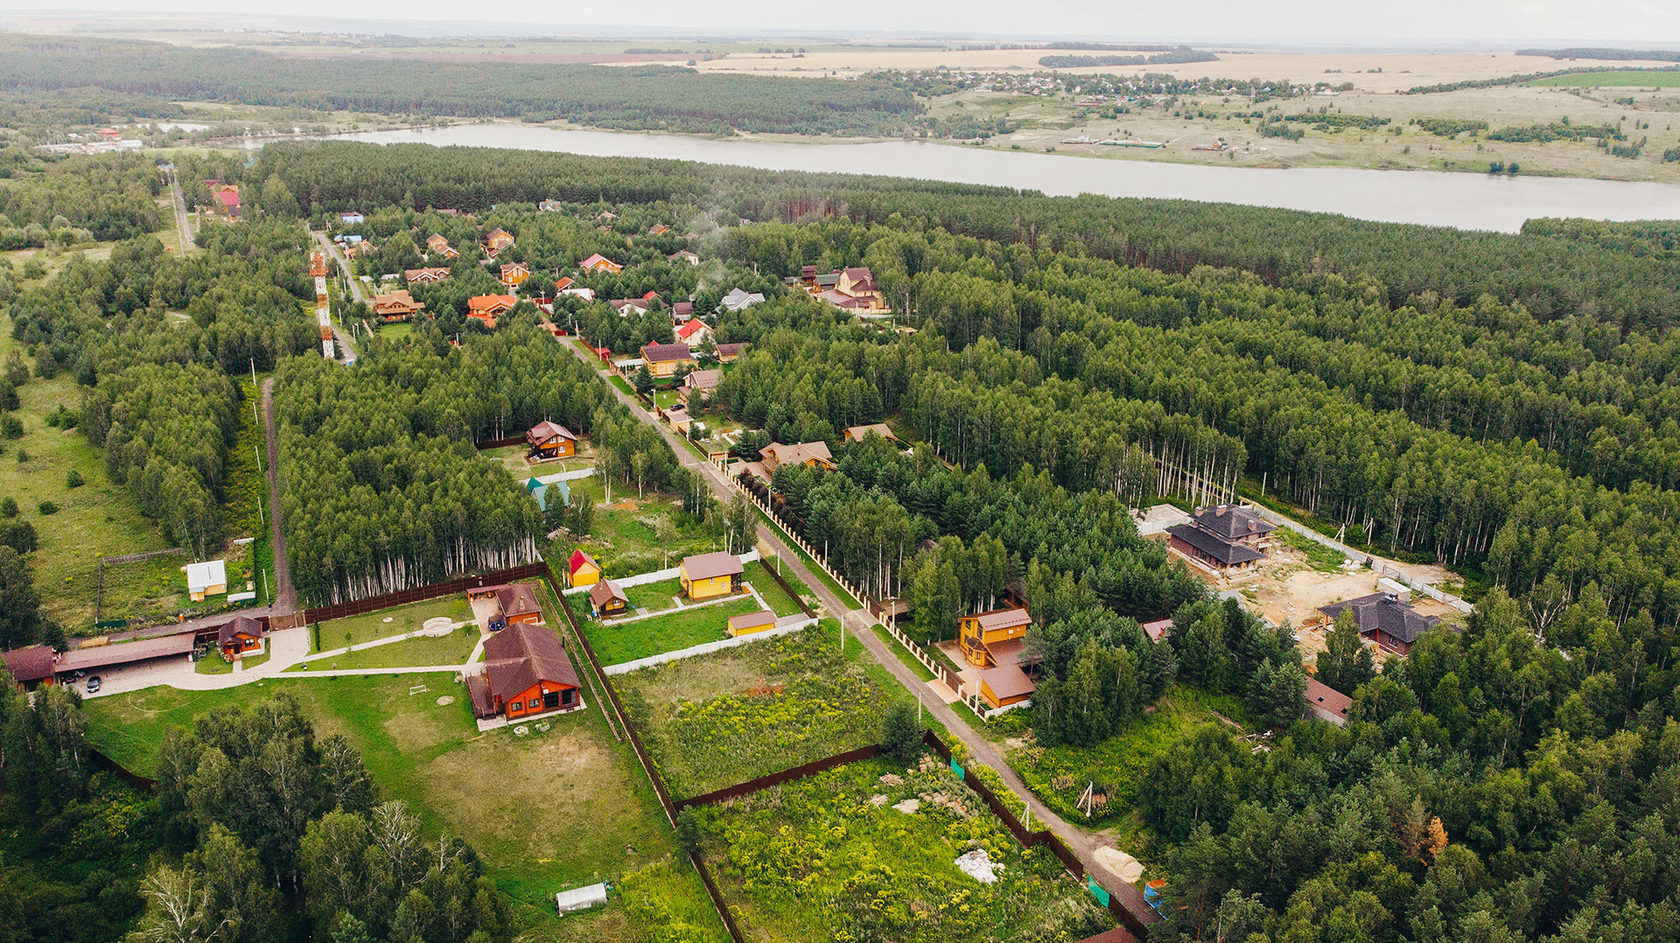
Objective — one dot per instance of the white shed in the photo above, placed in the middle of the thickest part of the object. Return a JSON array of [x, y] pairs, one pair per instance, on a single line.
[[208, 578], [581, 898]]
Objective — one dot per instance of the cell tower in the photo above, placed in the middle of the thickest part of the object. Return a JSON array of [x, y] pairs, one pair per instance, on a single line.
[[323, 311]]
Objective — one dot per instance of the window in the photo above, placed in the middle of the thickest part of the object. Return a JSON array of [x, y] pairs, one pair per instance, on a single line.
[[533, 703], [566, 696]]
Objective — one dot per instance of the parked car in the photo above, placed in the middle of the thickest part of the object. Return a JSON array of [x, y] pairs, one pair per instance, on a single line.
[[93, 684], [73, 677]]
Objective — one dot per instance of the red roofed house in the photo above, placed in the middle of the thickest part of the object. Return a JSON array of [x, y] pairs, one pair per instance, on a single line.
[[488, 308], [239, 637], [1326, 703], [694, 333], [600, 263], [550, 440], [658, 229], [582, 570], [224, 198], [526, 674]]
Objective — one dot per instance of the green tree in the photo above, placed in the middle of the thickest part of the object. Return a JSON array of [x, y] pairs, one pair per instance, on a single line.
[[901, 735], [1346, 662]]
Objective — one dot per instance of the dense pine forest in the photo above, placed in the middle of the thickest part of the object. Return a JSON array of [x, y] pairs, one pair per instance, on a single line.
[[661, 98]]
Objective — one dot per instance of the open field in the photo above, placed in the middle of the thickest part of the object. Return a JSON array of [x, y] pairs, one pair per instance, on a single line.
[[636, 534], [512, 458], [1612, 80], [830, 857], [720, 719], [622, 642], [1186, 122], [519, 801]]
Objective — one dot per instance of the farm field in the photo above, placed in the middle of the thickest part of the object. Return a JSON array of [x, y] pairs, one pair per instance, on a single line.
[[424, 749], [719, 719], [831, 857], [617, 643], [1183, 123], [1611, 80]]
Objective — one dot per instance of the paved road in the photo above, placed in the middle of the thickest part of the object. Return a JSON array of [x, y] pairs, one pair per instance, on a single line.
[[285, 595], [860, 624], [181, 220], [356, 293]]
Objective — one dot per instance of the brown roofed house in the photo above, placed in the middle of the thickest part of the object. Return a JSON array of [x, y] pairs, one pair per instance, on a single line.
[[859, 433], [729, 353], [809, 454], [607, 598], [1384, 618], [31, 666], [663, 359], [1226, 537], [707, 575], [1326, 703], [425, 276], [547, 440], [700, 385], [526, 673], [397, 305], [516, 603], [488, 308], [239, 636]]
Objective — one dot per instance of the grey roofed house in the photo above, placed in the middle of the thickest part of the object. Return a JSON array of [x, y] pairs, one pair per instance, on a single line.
[[1220, 551], [1230, 522], [738, 300], [1382, 616], [703, 379]]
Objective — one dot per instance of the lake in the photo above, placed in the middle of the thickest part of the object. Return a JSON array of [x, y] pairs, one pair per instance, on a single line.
[[1461, 200]]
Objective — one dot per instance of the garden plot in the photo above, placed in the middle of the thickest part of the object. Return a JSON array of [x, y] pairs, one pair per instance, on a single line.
[[879, 851], [719, 719], [636, 534]]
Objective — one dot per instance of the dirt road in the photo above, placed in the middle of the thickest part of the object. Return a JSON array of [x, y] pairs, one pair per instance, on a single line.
[[285, 595]]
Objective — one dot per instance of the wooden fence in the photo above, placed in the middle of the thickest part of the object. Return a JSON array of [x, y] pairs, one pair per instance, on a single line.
[[356, 607], [100, 761]]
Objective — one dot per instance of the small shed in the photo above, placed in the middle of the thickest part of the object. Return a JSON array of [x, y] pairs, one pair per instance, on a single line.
[[751, 622], [581, 898], [208, 578]]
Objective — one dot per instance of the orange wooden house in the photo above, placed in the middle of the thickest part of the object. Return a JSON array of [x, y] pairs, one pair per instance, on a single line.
[[238, 637], [396, 305], [550, 440], [993, 642], [514, 274], [526, 674], [600, 263], [498, 239], [488, 308]]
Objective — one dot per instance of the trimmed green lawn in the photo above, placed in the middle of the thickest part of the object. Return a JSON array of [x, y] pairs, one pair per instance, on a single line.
[[623, 385], [621, 642], [654, 596], [716, 720], [213, 664], [828, 857], [554, 809], [779, 602], [451, 649], [398, 620]]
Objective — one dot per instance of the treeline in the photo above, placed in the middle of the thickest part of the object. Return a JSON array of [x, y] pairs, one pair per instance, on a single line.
[[1450, 127], [65, 200], [166, 430], [1604, 52], [637, 97], [1554, 131], [1551, 278], [1174, 55]]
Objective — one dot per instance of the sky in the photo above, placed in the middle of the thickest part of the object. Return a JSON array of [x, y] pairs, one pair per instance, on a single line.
[[1645, 22]]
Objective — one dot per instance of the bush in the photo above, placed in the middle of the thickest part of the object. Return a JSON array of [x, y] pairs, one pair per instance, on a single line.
[[11, 427], [20, 536], [47, 507], [73, 479], [22, 455], [901, 736], [689, 831], [8, 507]]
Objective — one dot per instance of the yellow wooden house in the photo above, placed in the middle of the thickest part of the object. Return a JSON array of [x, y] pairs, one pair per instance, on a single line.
[[710, 575]]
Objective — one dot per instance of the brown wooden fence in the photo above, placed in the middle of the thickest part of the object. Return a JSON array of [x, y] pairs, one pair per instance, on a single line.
[[356, 607], [787, 775], [797, 599], [100, 761], [484, 444]]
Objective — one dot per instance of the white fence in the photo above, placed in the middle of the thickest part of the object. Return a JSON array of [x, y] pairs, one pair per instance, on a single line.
[[659, 576], [786, 625], [565, 476]]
